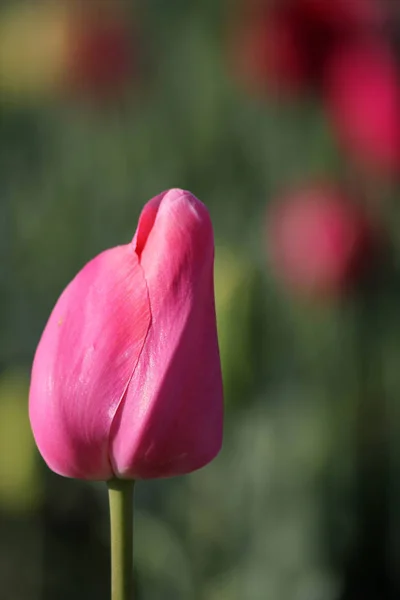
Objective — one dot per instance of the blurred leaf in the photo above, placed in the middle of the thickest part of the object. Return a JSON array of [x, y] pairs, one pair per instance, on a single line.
[[234, 289]]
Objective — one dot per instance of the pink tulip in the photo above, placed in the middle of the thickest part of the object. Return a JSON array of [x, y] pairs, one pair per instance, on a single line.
[[126, 380]]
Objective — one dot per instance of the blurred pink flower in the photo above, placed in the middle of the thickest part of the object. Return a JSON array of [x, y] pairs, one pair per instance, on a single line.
[[126, 379], [362, 99], [318, 240]]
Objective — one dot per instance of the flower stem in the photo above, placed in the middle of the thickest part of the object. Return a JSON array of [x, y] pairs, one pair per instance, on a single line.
[[120, 493]]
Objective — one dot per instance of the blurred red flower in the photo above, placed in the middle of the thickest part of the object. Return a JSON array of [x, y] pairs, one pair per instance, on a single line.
[[283, 45], [102, 60]]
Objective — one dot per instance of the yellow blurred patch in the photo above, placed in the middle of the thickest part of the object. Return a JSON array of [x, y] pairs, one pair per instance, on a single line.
[[20, 484], [34, 38]]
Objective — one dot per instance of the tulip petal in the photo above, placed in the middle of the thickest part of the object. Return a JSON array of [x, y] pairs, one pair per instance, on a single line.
[[170, 419], [84, 361], [146, 222]]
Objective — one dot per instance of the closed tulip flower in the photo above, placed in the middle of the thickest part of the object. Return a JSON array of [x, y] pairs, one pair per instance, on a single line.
[[126, 380]]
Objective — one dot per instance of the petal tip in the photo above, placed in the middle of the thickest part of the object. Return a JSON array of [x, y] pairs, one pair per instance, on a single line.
[[179, 197]]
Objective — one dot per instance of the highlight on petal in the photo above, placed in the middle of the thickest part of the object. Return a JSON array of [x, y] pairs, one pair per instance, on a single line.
[[84, 361], [170, 419]]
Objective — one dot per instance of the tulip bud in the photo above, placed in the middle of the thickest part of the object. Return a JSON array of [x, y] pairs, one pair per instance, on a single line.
[[318, 241], [126, 379]]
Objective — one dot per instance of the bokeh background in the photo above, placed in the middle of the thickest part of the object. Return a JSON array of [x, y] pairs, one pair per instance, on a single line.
[[284, 118]]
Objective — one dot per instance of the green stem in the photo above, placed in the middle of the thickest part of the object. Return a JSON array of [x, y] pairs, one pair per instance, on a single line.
[[120, 493]]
